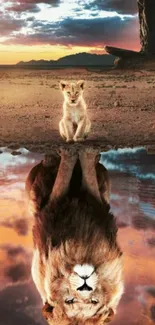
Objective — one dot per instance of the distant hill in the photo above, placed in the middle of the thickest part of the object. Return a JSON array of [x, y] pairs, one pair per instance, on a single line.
[[80, 59]]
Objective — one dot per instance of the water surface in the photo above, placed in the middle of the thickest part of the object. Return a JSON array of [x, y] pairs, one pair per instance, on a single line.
[[132, 174]]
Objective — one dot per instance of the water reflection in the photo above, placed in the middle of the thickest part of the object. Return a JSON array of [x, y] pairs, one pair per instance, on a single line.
[[132, 174], [77, 264]]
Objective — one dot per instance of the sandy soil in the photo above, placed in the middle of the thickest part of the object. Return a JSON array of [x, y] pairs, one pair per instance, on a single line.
[[121, 105]]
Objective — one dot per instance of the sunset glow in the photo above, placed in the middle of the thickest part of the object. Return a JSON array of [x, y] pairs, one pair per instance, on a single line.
[[52, 29]]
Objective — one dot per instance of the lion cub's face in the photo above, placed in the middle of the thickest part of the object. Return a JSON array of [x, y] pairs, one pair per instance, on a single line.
[[84, 295], [72, 91]]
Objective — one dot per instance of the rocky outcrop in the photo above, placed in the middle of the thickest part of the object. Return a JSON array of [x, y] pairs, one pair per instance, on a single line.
[[146, 57]]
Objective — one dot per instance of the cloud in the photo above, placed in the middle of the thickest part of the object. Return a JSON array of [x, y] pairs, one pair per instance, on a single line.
[[143, 222], [146, 296], [121, 224], [125, 160], [126, 7], [9, 24], [18, 272], [79, 32], [16, 264], [151, 242], [13, 251], [20, 225], [152, 311], [30, 5], [20, 304], [22, 7], [35, 2], [80, 24]]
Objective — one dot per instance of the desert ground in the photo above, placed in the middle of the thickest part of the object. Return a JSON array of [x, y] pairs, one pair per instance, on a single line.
[[121, 106]]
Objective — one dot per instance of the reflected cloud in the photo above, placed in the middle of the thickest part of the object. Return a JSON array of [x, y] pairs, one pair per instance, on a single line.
[[20, 304], [15, 264], [132, 161], [132, 171], [151, 241], [14, 169], [146, 298], [21, 226]]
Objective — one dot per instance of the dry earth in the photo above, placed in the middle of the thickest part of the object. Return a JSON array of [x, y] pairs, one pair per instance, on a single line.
[[121, 105]]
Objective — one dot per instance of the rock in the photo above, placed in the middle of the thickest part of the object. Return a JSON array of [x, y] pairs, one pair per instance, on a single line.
[[16, 153], [122, 53], [141, 62], [116, 104], [109, 147], [127, 59]]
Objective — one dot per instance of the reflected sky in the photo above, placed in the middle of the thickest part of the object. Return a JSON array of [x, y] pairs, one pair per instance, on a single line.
[[132, 174]]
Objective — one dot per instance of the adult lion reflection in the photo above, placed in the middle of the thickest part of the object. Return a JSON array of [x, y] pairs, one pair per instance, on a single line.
[[77, 264]]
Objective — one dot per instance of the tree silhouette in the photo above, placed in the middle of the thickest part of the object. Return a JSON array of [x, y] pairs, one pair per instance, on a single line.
[[146, 12], [146, 9]]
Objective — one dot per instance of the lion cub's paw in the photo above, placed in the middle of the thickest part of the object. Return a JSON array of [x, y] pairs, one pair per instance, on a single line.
[[67, 152], [78, 139], [69, 140], [89, 153]]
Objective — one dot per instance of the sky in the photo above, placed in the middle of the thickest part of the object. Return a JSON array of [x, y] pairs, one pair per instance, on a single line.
[[132, 174], [50, 29]]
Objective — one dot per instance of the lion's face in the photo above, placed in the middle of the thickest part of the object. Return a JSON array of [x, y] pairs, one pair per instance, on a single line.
[[72, 91], [84, 293]]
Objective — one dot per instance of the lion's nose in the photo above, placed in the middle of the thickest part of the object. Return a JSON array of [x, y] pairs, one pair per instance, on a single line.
[[84, 277], [85, 287], [73, 100]]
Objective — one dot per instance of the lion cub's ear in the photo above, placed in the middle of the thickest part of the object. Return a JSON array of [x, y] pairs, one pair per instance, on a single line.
[[81, 83], [62, 84]]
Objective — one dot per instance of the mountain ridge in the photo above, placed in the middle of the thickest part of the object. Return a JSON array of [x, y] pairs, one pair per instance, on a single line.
[[79, 59]]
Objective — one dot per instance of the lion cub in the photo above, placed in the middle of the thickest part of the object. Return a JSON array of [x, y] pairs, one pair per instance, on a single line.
[[75, 124]]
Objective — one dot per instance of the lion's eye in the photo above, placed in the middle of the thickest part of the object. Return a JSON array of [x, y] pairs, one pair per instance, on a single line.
[[94, 301], [69, 301], [76, 93], [68, 92]]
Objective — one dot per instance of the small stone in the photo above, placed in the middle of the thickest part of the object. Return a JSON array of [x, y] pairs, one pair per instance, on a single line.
[[47, 116], [116, 104], [15, 153], [109, 147]]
